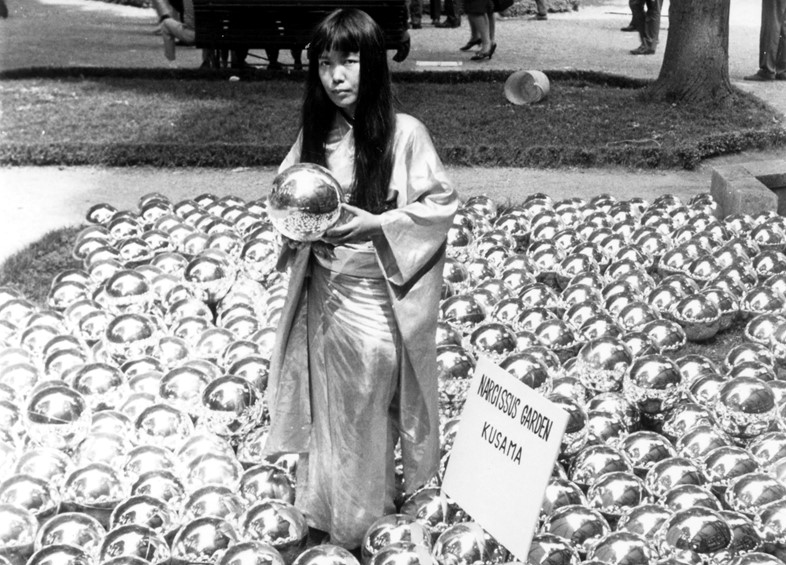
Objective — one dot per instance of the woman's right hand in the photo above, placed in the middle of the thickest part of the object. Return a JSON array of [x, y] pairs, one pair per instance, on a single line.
[[291, 243]]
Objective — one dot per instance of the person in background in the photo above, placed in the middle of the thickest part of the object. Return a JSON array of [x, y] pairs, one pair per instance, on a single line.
[[274, 65], [646, 20], [452, 15], [482, 23], [416, 13], [173, 29], [772, 42], [542, 11], [354, 370]]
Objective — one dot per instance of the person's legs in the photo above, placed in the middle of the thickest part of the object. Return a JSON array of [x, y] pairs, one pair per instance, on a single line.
[[416, 13], [435, 8], [543, 13], [770, 38], [492, 25], [171, 30], [637, 15], [480, 22], [780, 61], [297, 57], [272, 59], [652, 23], [639, 22], [163, 9], [452, 14]]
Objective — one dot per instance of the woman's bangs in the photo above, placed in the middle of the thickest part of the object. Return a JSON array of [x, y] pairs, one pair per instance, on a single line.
[[335, 37]]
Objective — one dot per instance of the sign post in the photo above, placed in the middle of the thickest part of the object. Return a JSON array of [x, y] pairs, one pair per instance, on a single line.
[[503, 455]]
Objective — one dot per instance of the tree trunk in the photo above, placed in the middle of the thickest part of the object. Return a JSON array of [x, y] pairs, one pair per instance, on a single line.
[[695, 65]]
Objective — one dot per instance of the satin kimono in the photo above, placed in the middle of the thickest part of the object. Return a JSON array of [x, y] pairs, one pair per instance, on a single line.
[[354, 365]]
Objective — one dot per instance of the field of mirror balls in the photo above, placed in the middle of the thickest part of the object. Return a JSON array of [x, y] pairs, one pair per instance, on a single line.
[[133, 411]]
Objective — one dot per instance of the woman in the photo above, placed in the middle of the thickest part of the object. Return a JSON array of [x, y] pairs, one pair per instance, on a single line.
[[481, 24], [354, 366]]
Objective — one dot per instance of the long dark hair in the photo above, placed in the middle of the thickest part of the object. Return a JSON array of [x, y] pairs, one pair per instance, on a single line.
[[348, 31]]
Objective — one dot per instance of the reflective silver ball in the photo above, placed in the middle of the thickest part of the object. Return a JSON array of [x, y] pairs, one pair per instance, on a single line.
[[746, 407], [202, 540], [654, 382], [750, 492], [594, 461], [400, 553], [278, 523], [394, 528], [466, 543], [18, 528], [724, 464], [304, 202], [602, 363], [696, 530], [266, 481], [644, 520], [37, 495], [698, 315], [60, 555], [671, 472], [689, 496], [622, 547], [133, 540], [582, 526], [550, 549], [560, 492], [212, 500], [251, 553], [144, 510]]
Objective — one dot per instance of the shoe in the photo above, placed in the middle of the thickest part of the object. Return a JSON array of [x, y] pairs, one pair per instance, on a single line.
[[448, 24], [628, 28], [642, 50], [780, 76], [760, 77], [541, 17], [470, 44], [417, 25], [481, 56]]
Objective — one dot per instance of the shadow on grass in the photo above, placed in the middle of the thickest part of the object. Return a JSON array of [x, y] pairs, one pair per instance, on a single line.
[[32, 269]]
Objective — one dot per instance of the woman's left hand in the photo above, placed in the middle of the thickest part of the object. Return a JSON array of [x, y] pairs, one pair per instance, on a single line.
[[359, 226]]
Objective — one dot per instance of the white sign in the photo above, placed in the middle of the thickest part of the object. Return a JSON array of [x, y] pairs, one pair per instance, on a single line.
[[503, 455]]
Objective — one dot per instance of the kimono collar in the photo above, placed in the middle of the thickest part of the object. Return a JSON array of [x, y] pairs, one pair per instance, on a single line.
[[341, 127]]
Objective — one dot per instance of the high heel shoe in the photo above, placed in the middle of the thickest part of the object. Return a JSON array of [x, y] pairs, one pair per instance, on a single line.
[[481, 56], [470, 44]]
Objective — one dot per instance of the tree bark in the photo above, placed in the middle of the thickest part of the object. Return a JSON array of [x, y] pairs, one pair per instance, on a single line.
[[695, 65]]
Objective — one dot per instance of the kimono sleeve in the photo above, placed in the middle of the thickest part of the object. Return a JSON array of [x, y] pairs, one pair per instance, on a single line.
[[413, 234]]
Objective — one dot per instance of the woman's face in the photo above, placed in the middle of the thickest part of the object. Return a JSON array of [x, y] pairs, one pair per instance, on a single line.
[[340, 75]]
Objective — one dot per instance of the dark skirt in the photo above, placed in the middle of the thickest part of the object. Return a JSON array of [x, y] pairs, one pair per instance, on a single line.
[[478, 7]]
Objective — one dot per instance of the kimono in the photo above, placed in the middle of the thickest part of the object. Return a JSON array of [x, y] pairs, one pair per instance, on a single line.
[[354, 368]]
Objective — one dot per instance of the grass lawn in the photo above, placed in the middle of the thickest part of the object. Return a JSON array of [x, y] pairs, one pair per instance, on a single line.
[[176, 122]]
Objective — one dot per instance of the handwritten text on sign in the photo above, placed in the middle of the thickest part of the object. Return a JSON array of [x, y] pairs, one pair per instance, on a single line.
[[503, 455]]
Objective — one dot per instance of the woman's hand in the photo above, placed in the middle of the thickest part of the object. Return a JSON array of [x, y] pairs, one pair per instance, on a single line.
[[291, 243], [359, 226]]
